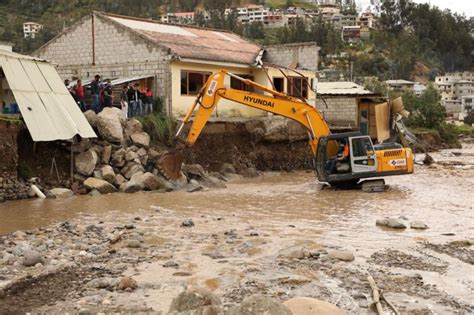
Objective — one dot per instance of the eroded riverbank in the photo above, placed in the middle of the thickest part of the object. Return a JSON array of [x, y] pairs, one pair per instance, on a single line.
[[270, 235]]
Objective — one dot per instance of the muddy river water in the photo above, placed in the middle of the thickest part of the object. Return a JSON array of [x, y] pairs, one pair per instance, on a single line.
[[288, 210]]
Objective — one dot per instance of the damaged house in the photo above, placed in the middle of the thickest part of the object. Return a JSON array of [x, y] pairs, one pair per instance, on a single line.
[[174, 61]]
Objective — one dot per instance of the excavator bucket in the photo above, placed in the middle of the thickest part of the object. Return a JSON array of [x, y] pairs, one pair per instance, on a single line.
[[170, 163]]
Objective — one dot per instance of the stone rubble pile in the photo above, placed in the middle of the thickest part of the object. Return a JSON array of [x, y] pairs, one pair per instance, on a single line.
[[122, 159]]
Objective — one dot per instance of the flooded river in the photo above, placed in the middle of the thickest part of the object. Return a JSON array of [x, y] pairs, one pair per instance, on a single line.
[[287, 210]]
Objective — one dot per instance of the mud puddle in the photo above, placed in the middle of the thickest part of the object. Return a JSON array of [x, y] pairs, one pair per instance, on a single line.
[[272, 235]]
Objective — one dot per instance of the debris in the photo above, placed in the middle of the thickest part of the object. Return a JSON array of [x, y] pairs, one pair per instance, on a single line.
[[187, 223], [375, 295], [418, 225], [127, 283], [428, 160]]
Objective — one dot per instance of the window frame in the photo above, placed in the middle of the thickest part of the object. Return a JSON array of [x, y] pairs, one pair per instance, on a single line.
[[282, 84], [205, 77], [303, 88], [243, 86]]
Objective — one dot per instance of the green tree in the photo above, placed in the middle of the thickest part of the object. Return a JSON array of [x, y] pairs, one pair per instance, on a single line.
[[426, 110]]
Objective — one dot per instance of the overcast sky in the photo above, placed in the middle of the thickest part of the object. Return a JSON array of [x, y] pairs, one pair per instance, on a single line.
[[465, 7]]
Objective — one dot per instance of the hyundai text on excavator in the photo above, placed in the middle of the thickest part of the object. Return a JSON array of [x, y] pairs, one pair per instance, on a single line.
[[363, 160]]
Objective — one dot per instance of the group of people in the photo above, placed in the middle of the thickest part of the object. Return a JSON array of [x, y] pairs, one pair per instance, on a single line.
[[133, 102]]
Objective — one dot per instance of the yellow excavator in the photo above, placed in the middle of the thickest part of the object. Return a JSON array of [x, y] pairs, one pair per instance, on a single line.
[[341, 159]]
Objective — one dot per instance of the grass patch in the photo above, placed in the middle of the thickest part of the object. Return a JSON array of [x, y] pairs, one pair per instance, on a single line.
[[160, 127]]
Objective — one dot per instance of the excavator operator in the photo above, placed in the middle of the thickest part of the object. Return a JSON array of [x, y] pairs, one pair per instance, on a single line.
[[340, 162]]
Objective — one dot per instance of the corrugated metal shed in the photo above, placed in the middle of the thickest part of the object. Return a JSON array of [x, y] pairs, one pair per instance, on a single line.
[[49, 111], [192, 42], [342, 88]]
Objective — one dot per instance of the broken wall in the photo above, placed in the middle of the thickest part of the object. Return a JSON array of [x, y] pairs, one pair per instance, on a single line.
[[305, 55], [339, 111]]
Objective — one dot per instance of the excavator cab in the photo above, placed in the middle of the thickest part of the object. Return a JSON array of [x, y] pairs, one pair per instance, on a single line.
[[344, 158]]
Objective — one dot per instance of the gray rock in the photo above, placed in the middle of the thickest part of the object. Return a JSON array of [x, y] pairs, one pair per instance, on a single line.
[[395, 223], [194, 171], [131, 186], [341, 255], [102, 283], [170, 264], [32, 258], [108, 173], [61, 193], [310, 306], [198, 300], [85, 162], [228, 168], [134, 244], [119, 179], [8, 259], [214, 182], [21, 248], [151, 182], [107, 154], [98, 174], [193, 188], [133, 126], [187, 223], [91, 117], [118, 157], [418, 225], [257, 305], [109, 124], [101, 185], [132, 169], [131, 156], [84, 311], [292, 253], [94, 192], [141, 139]]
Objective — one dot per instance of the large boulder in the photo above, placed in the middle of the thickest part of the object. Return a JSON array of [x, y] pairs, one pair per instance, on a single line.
[[310, 306], [108, 173], [106, 154], [131, 169], [132, 126], [85, 162], [131, 186], [141, 139], [91, 117], [151, 182], [109, 124], [196, 301], [100, 185], [343, 255], [195, 171], [257, 305], [60, 193], [118, 158]]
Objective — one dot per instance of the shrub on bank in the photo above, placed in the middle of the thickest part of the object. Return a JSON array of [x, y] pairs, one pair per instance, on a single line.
[[160, 127]]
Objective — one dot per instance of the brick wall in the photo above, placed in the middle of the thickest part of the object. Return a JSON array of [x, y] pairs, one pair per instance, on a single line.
[[340, 111], [119, 53], [305, 54]]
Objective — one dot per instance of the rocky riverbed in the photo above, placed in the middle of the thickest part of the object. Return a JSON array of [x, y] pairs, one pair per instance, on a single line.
[[260, 241]]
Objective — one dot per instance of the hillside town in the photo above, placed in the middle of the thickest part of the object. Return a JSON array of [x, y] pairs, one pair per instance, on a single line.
[[236, 158]]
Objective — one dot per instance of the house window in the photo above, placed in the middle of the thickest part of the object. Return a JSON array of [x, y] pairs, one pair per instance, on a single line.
[[298, 86], [192, 81], [240, 85], [279, 84]]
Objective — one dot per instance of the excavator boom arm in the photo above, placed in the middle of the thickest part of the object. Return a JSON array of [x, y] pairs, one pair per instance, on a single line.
[[278, 103]]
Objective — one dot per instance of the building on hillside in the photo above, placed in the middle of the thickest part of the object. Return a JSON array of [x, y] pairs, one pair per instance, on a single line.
[[347, 106], [30, 29], [367, 19], [250, 13], [456, 90], [400, 85], [178, 18], [174, 61], [351, 34]]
